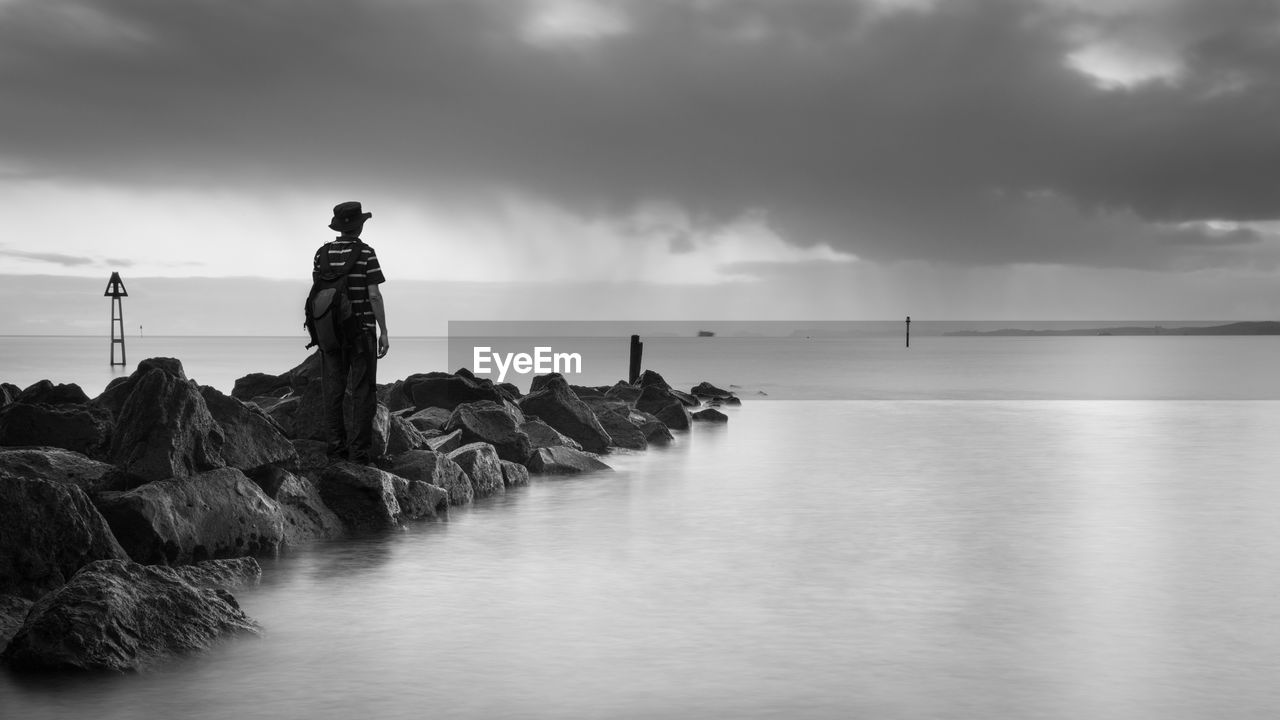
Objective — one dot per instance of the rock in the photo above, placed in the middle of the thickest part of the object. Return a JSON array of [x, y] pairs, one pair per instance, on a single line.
[[615, 418], [164, 429], [8, 393], [402, 436], [305, 418], [256, 385], [435, 468], [510, 391], [364, 498], [251, 439], [13, 611], [563, 461], [283, 411], [217, 514], [480, 462], [556, 405], [62, 466], [649, 378], [685, 398], [84, 428], [710, 415], [45, 392], [655, 431], [586, 391], [311, 455], [705, 389], [306, 517], [395, 397], [432, 418], [489, 422], [119, 615], [624, 392], [514, 475], [119, 390], [224, 574], [445, 443], [665, 406], [48, 531], [447, 391], [543, 435], [419, 500]]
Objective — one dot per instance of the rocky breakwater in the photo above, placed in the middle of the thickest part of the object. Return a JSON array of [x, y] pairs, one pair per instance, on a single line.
[[108, 504]]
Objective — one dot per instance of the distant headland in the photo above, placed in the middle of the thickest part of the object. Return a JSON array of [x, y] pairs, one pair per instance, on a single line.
[[1238, 328]]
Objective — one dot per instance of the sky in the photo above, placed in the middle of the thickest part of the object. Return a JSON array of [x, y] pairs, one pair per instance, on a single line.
[[644, 159]]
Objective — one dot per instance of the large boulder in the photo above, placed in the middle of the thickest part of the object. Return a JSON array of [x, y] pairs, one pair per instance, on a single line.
[[492, 423], [364, 498], [543, 435], [710, 415], [402, 436], [48, 531], [256, 385], [251, 439], [56, 416], [120, 615], [306, 517], [445, 443], [514, 475], [649, 378], [624, 392], [118, 391], [560, 408], [655, 431], [164, 429], [615, 418], [62, 466], [13, 611], [664, 405], [481, 464], [448, 391], [705, 389], [432, 418], [435, 468], [8, 393], [217, 514], [563, 461], [419, 500]]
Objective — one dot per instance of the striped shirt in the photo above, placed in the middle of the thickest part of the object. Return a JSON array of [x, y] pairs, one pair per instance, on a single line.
[[366, 272]]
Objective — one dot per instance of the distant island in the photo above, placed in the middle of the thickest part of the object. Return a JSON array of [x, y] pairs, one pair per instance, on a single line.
[[706, 333], [1237, 328]]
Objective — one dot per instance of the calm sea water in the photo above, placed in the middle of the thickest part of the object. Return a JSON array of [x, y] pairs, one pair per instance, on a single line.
[[972, 557]]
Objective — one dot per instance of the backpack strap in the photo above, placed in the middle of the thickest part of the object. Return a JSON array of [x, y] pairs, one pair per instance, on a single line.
[[328, 274]]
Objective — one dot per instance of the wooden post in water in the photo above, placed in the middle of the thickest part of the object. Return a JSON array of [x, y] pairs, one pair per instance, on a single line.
[[637, 351], [908, 331], [115, 291]]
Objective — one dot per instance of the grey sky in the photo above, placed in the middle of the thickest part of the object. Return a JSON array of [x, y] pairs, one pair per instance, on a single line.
[[1132, 134]]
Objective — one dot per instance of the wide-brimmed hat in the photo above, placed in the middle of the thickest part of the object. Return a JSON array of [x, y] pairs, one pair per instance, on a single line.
[[348, 216]]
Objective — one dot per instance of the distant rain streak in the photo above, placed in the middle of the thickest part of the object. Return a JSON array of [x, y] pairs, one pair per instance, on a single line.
[[542, 361]]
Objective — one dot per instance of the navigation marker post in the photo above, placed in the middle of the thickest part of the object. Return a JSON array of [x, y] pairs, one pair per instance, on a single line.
[[115, 291], [908, 331]]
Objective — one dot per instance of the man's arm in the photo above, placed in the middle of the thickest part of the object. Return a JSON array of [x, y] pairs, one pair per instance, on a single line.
[[380, 314]]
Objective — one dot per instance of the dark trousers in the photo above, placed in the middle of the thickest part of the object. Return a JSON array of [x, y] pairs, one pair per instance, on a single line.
[[355, 370]]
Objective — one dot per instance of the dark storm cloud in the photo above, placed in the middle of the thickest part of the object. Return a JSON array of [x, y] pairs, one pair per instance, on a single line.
[[955, 133]]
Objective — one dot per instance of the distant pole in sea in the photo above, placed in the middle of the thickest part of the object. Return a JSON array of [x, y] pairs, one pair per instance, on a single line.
[[637, 351], [908, 331], [115, 291]]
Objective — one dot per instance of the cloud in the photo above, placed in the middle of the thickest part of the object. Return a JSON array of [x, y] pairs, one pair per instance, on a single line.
[[53, 258], [972, 132]]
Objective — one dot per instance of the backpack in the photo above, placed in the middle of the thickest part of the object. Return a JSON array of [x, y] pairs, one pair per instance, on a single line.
[[331, 320]]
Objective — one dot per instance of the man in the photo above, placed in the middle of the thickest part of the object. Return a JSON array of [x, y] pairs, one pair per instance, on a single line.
[[355, 367]]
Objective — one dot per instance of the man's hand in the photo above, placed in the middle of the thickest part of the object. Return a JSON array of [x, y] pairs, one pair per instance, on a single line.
[[384, 344]]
